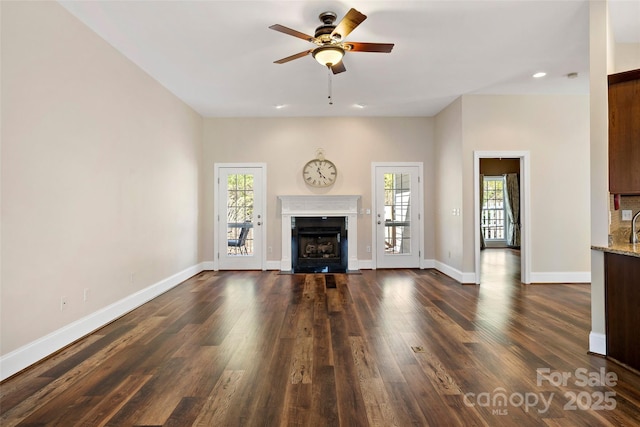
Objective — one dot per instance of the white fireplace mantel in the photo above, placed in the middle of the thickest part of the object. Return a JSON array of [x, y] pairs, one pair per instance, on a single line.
[[326, 205]]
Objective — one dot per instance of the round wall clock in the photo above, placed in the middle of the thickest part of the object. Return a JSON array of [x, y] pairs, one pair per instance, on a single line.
[[319, 172]]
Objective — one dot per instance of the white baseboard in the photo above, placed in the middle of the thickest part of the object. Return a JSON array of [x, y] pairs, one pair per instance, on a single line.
[[208, 265], [427, 263], [273, 265], [468, 278], [561, 277], [454, 273], [365, 264], [25, 356], [598, 343]]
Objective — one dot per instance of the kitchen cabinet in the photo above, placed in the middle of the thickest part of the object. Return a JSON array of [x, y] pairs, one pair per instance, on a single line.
[[622, 299], [624, 132]]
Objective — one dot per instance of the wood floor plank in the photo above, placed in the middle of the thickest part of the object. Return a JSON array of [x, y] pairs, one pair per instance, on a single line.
[[324, 399], [185, 412], [351, 408], [109, 404], [382, 347], [406, 408], [297, 405], [380, 412], [214, 411], [302, 361]]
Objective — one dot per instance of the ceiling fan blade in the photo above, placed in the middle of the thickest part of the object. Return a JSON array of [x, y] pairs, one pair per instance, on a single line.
[[351, 20], [292, 57], [369, 47], [294, 33], [338, 68]]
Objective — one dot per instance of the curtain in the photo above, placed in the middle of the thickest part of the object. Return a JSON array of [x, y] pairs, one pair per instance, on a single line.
[[482, 245], [513, 210]]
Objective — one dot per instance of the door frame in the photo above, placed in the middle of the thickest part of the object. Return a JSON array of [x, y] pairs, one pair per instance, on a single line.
[[525, 208], [216, 211], [374, 204]]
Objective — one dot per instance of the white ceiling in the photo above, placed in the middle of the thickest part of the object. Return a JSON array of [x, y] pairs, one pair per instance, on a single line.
[[217, 56]]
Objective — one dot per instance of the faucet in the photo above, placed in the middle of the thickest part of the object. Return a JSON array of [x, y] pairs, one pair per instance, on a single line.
[[634, 230]]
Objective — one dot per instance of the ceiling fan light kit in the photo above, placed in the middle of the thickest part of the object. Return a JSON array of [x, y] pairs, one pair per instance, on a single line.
[[328, 55]]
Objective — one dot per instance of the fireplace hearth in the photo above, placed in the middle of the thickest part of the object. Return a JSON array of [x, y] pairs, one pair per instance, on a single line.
[[318, 245]]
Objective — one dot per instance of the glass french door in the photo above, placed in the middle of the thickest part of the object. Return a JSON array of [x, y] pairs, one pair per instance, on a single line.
[[398, 203], [240, 217]]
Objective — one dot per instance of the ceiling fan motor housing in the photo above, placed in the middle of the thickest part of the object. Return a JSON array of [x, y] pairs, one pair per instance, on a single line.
[[327, 27]]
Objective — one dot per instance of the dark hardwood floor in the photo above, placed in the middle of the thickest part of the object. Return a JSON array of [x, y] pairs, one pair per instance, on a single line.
[[381, 348], [500, 266]]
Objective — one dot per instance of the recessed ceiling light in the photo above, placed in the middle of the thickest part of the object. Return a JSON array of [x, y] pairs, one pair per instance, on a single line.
[[280, 106], [540, 74], [357, 105]]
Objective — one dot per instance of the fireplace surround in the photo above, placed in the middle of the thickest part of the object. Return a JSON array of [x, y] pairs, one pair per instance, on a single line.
[[322, 250]]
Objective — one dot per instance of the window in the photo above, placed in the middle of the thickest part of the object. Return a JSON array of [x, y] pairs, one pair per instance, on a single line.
[[493, 208]]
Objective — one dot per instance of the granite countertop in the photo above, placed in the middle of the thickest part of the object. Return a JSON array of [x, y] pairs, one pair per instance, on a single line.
[[620, 248], [619, 243]]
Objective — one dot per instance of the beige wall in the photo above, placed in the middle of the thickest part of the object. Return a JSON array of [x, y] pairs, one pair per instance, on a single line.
[[286, 144], [555, 130], [446, 145], [626, 56], [448, 168], [99, 174]]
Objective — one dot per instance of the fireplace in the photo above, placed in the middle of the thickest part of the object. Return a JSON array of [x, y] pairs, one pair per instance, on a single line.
[[318, 245], [330, 237]]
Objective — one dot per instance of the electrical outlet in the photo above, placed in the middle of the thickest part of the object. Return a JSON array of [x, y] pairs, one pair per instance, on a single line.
[[85, 296], [368, 249], [627, 214], [63, 303]]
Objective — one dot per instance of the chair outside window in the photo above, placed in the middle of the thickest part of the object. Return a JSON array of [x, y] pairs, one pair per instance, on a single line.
[[239, 245]]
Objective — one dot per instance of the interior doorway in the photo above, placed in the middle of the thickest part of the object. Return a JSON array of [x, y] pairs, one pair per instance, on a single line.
[[501, 217]]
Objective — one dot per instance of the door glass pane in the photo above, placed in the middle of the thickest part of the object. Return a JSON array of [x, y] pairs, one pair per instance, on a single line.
[[240, 195], [397, 213]]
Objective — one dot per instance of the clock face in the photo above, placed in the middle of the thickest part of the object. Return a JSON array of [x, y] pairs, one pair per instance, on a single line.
[[319, 173]]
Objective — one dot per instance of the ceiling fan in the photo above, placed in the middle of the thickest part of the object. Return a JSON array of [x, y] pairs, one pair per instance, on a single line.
[[329, 39]]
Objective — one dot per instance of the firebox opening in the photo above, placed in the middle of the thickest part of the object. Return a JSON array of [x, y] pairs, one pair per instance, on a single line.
[[319, 245]]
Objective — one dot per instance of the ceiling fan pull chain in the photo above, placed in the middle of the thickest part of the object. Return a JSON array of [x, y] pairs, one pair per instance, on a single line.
[[330, 88]]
